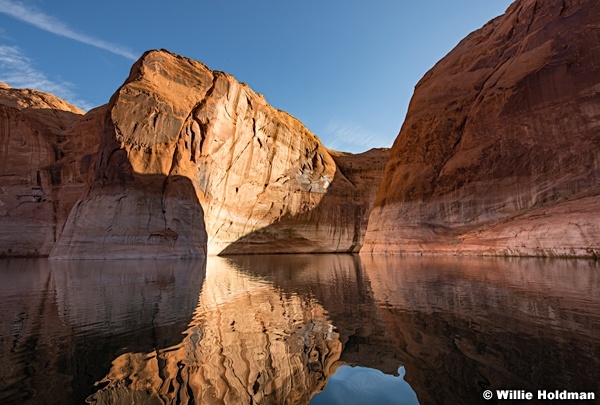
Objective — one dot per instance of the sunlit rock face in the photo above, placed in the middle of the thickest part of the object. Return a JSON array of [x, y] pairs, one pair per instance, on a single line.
[[35, 179], [499, 150], [248, 343], [184, 148]]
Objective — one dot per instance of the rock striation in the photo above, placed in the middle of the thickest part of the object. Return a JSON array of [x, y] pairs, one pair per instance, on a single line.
[[38, 184], [181, 162], [190, 162], [498, 154]]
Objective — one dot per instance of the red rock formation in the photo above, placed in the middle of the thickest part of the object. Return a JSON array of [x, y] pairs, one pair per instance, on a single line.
[[499, 150], [364, 171], [33, 170], [185, 149]]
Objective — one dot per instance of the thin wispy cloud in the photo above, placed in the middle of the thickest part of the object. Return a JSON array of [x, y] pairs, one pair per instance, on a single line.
[[17, 70], [351, 137], [48, 23]]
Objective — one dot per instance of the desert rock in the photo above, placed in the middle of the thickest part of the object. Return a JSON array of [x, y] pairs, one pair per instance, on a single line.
[[191, 162], [498, 153], [33, 171]]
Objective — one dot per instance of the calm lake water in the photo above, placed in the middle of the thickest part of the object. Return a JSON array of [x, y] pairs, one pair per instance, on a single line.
[[319, 329]]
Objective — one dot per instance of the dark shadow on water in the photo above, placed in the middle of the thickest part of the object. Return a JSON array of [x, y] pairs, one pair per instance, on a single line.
[[470, 324]]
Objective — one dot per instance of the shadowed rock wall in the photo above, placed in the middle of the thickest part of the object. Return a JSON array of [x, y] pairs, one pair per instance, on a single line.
[[33, 143]]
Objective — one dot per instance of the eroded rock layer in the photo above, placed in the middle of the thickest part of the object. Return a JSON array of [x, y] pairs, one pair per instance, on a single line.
[[34, 171], [499, 150], [184, 149]]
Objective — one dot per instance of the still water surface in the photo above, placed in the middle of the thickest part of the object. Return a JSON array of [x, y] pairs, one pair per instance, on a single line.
[[319, 329]]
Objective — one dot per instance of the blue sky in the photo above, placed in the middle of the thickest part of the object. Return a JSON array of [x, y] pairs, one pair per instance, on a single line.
[[346, 69]]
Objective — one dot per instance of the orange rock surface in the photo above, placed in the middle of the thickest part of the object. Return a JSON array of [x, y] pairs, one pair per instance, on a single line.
[[193, 162], [33, 169], [498, 154]]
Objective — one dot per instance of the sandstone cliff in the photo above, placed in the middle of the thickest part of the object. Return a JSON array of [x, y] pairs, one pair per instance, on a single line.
[[190, 158], [499, 150], [34, 170]]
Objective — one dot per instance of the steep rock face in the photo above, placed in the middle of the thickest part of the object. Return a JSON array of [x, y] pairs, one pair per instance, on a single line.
[[364, 171], [185, 149], [499, 150], [33, 170]]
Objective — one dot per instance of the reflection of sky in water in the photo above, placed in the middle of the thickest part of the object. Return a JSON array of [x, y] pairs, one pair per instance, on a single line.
[[360, 385]]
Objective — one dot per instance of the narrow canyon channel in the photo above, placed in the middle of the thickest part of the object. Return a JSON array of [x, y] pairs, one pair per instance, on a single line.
[[296, 329]]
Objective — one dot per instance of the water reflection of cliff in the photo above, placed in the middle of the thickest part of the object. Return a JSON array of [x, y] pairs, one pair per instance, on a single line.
[[60, 322], [273, 329], [248, 343], [340, 284], [466, 325]]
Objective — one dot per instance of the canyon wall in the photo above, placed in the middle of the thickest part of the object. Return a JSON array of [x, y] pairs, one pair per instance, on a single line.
[[498, 154], [193, 162], [34, 171]]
